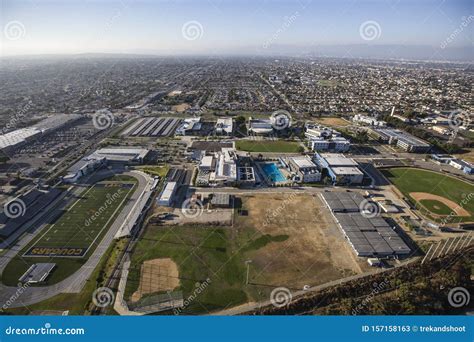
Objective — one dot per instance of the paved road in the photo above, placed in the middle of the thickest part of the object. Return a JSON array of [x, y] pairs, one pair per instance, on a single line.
[[75, 282], [242, 309]]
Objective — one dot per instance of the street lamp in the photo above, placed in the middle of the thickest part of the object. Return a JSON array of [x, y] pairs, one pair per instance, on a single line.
[[247, 262]]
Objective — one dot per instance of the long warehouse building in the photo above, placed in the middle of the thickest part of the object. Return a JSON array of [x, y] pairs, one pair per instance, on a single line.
[[368, 236]]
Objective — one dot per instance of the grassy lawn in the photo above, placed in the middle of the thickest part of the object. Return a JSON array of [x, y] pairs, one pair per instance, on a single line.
[[78, 303], [78, 230], [154, 170], [202, 252], [269, 146], [436, 207], [409, 180]]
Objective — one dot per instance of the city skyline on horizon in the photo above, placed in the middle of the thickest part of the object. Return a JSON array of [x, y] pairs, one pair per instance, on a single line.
[[431, 29]]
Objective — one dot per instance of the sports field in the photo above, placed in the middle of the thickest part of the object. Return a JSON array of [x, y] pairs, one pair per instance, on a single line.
[[70, 240], [286, 240], [268, 146], [437, 193]]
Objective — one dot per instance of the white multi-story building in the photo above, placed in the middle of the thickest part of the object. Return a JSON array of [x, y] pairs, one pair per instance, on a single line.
[[341, 169], [322, 138], [368, 120], [304, 167], [224, 126]]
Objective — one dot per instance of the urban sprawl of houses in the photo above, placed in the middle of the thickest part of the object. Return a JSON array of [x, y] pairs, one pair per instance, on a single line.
[[186, 142]]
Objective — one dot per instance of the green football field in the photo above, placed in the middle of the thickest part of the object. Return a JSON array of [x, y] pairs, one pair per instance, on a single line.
[[70, 240], [83, 222]]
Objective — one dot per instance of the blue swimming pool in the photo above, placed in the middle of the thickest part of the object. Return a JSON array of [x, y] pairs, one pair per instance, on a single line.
[[273, 173]]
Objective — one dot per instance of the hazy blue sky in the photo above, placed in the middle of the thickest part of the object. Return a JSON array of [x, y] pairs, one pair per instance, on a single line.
[[224, 26]]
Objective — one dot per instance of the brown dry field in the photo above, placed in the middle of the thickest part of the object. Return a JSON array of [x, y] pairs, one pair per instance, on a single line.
[[314, 253], [332, 121], [157, 275], [181, 107], [419, 196]]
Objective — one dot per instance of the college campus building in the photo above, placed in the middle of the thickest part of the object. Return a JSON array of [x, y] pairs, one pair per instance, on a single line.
[[224, 126], [219, 168], [189, 126], [368, 120], [166, 196], [323, 138], [306, 170], [340, 169], [401, 139], [259, 126], [104, 156]]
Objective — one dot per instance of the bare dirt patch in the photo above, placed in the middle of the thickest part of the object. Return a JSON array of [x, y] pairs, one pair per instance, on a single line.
[[181, 107], [157, 275], [419, 196], [333, 121], [315, 251]]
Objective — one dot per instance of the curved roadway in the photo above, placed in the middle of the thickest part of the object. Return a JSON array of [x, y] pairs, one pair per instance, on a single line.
[[75, 282]]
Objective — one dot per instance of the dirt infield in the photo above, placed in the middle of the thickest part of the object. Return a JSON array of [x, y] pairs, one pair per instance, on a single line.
[[419, 196], [157, 275]]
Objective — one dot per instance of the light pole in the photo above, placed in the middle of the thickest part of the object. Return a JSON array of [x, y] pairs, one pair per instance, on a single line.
[[247, 262]]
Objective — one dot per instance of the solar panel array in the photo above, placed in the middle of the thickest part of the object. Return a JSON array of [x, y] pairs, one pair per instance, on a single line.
[[343, 201], [369, 237], [152, 127]]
